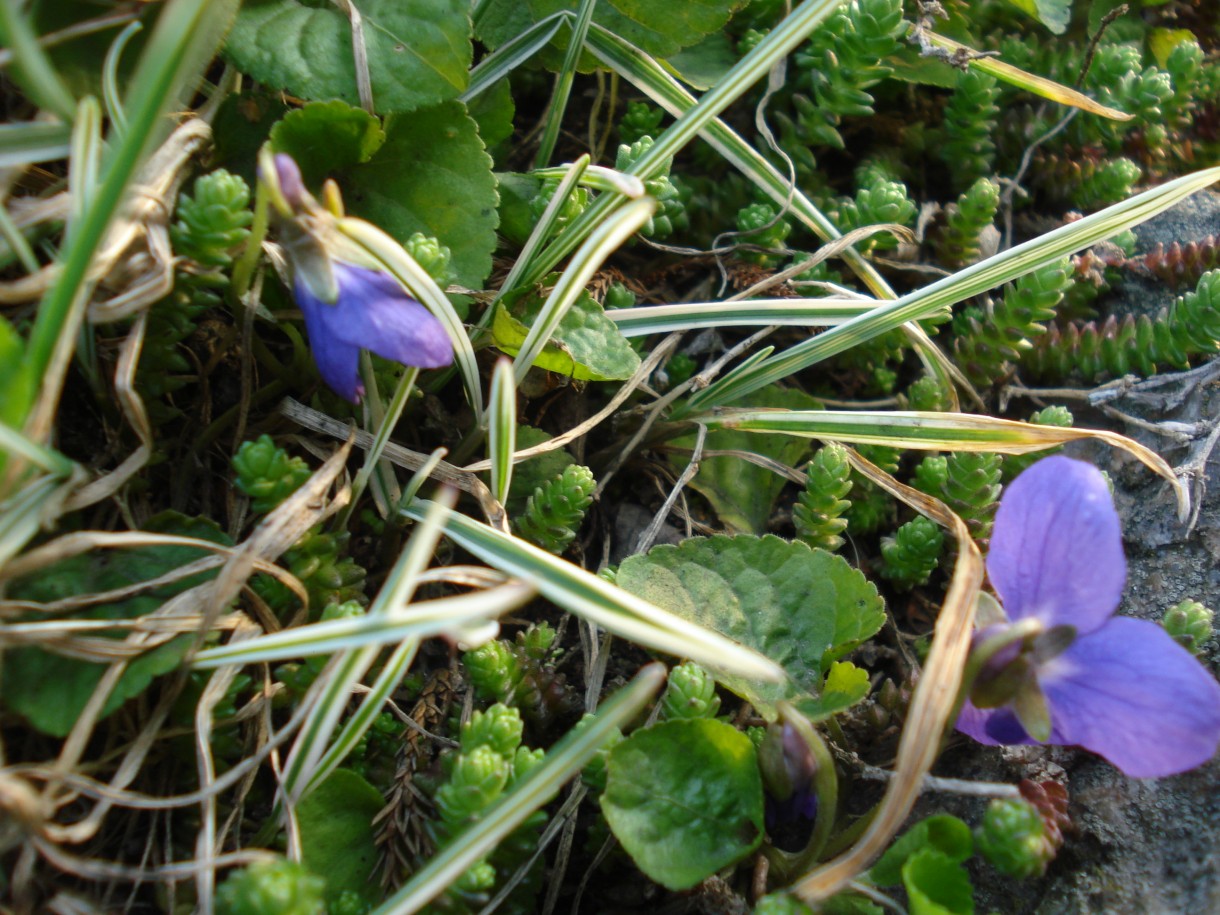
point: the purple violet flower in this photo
(372, 312)
(348, 307)
(1122, 688)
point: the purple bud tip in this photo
(291, 185)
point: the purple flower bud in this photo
(372, 312)
(788, 767)
(289, 175)
(1122, 688)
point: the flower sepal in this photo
(1029, 705)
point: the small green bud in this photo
(499, 728)
(926, 394)
(577, 202)
(670, 210)
(493, 670)
(972, 488)
(214, 220)
(913, 553)
(537, 641)
(619, 296)
(641, 120)
(690, 693)
(1013, 838)
(817, 515)
(478, 879)
(476, 782)
(349, 902)
(749, 41)
(557, 507)
(430, 254)
(884, 378)
(524, 762)
(279, 887)
(680, 368)
(1190, 624)
(931, 475)
(267, 474)
(759, 226)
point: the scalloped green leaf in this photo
(51, 690)
(431, 175)
(337, 837)
(324, 137)
(586, 346)
(419, 51)
(743, 494)
(845, 685)
(942, 833)
(659, 29)
(685, 799)
(802, 608)
(493, 111)
(937, 885)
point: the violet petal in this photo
(1056, 549)
(1130, 693)
(997, 727)
(338, 361)
(375, 313)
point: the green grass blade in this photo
(420, 621)
(563, 82)
(27, 142)
(110, 78)
(654, 319)
(31, 68)
(542, 230)
(362, 719)
(600, 602)
(901, 429)
(647, 75)
(1000, 268)
(598, 178)
(782, 40)
(22, 516)
(14, 443)
(506, 58)
(502, 429)
(1039, 85)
